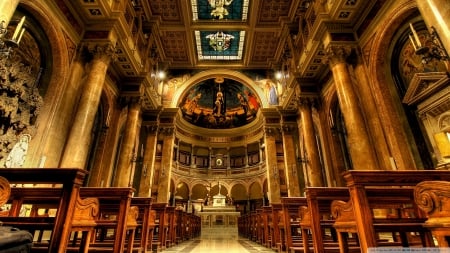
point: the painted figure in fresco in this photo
(192, 104)
(271, 93)
(252, 100)
(16, 157)
(219, 106)
(243, 102)
(219, 10)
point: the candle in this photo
(20, 36)
(416, 37)
(413, 42)
(18, 29)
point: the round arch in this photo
(226, 73)
(381, 85)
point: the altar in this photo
(219, 221)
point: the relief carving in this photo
(20, 103)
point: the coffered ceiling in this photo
(218, 33)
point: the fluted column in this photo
(312, 158)
(273, 178)
(7, 9)
(166, 164)
(146, 182)
(361, 151)
(77, 147)
(290, 160)
(129, 148)
(435, 13)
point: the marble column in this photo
(7, 9)
(290, 160)
(373, 119)
(166, 164)
(273, 177)
(361, 151)
(146, 182)
(312, 158)
(435, 13)
(128, 150)
(77, 147)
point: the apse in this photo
(219, 103)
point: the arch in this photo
(182, 190)
(199, 191)
(238, 192)
(208, 74)
(255, 191)
(62, 51)
(389, 113)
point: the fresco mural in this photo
(220, 103)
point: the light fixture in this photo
(278, 75)
(433, 48)
(7, 45)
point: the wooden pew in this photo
(259, 226)
(267, 219)
(70, 180)
(275, 225)
(161, 226)
(145, 226)
(290, 207)
(393, 213)
(359, 181)
(433, 197)
(171, 226)
(44, 201)
(316, 217)
(117, 214)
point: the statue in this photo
(16, 157)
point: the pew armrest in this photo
(433, 197)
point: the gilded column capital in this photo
(289, 128)
(271, 131)
(167, 130)
(101, 51)
(307, 102)
(151, 129)
(338, 53)
(131, 100)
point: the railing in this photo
(222, 172)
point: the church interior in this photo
(282, 125)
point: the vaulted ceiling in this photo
(245, 35)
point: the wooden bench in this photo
(42, 204)
(267, 217)
(161, 226)
(393, 215)
(276, 226)
(433, 197)
(144, 221)
(316, 218)
(290, 207)
(117, 215)
(359, 181)
(69, 181)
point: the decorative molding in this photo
(424, 85)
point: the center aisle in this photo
(218, 246)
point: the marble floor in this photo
(240, 245)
